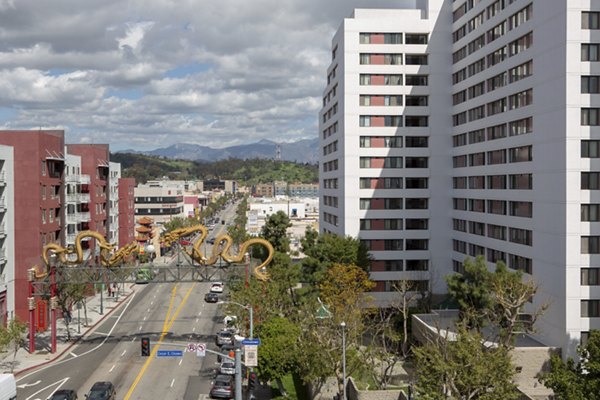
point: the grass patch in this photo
(294, 388)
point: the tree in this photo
(72, 290)
(464, 368)
(277, 355)
(275, 231)
(13, 333)
(326, 249)
(580, 380)
(471, 290)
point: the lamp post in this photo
(245, 307)
(343, 325)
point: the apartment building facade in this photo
(159, 200)
(513, 171)
(126, 211)
(7, 234)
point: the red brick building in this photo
(126, 211)
(38, 199)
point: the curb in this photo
(76, 341)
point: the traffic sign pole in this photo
(238, 375)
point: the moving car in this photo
(144, 275)
(217, 287)
(8, 387)
(211, 298)
(224, 337)
(222, 387)
(211, 241)
(102, 391)
(227, 368)
(64, 394)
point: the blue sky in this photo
(143, 74)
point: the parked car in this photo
(217, 287)
(226, 348)
(222, 387)
(211, 297)
(64, 394)
(102, 391)
(8, 386)
(227, 368)
(211, 241)
(224, 337)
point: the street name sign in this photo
(251, 342)
(169, 353)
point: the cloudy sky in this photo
(143, 74)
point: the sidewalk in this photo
(24, 361)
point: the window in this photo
(392, 162)
(520, 236)
(496, 132)
(589, 52)
(495, 8)
(590, 276)
(496, 182)
(416, 59)
(496, 107)
(519, 17)
(496, 32)
(477, 205)
(392, 204)
(477, 228)
(416, 183)
(496, 82)
(416, 80)
(43, 168)
(459, 161)
(497, 207)
(496, 231)
(416, 38)
(459, 225)
(496, 57)
(459, 182)
(393, 265)
(590, 245)
(590, 308)
(43, 216)
(417, 265)
(590, 116)
(459, 246)
(392, 224)
(393, 244)
(365, 204)
(476, 44)
(392, 183)
(476, 159)
(417, 141)
(520, 263)
(477, 136)
(416, 204)
(459, 140)
(364, 120)
(590, 20)
(590, 212)
(416, 162)
(520, 181)
(459, 204)
(590, 84)
(590, 148)
(476, 90)
(520, 127)
(459, 54)
(520, 99)
(590, 180)
(416, 224)
(477, 182)
(494, 256)
(416, 121)
(521, 209)
(417, 244)
(459, 119)
(417, 101)
(459, 97)
(520, 154)
(521, 44)
(476, 113)
(476, 67)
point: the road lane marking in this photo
(167, 325)
(145, 318)
(58, 386)
(197, 319)
(194, 329)
(73, 354)
(133, 339)
(113, 367)
(23, 386)
(172, 382)
(152, 302)
(140, 328)
(101, 333)
(123, 353)
(180, 361)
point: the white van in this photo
(8, 387)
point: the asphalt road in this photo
(171, 315)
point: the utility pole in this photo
(238, 375)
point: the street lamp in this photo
(245, 307)
(343, 325)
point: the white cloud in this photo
(150, 73)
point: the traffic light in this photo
(145, 347)
(251, 380)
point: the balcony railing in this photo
(72, 219)
(2, 230)
(2, 203)
(72, 178)
(84, 179)
(2, 254)
(84, 197)
(3, 177)
(84, 217)
(70, 238)
(72, 197)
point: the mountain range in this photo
(303, 151)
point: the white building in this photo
(7, 231)
(510, 165)
(77, 202)
(159, 200)
(113, 202)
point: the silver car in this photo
(227, 368)
(224, 337)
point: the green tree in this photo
(13, 334)
(464, 368)
(277, 356)
(71, 291)
(572, 380)
(325, 250)
(471, 290)
(275, 231)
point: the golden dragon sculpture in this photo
(223, 251)
(64, 253)
(169, 238)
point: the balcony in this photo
(72, 198)
(83, 197)
(2, 255)
(2, 178)
(2, 204)
(72, 178)
(84, 179)
(84, 217)
(2, 230)
(72, 219)
(70, 238)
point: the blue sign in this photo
(169, 353)
(254, 342)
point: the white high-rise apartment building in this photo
(510, 147)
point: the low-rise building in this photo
(160, 200)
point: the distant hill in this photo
(303, 151)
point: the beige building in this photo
(160, 200)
